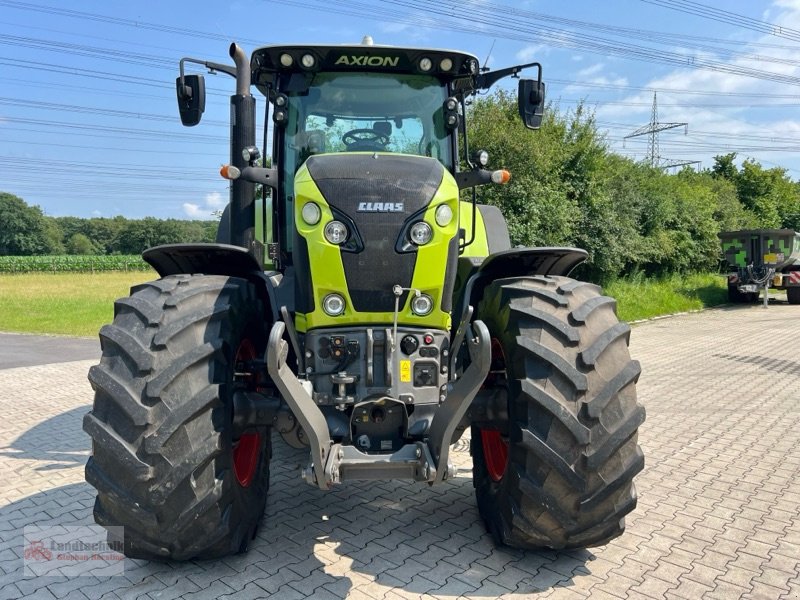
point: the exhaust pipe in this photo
(242, 69)
(243, 135)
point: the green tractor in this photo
(363, 310)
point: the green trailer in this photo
(760, 258)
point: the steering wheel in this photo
(365, 139)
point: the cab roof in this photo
(447, 65)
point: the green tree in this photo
(23, 228)
(80, 244)
(724, 166)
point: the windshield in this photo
(365, 112)
(362, 112)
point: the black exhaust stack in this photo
(243, 135)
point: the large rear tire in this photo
(559, 473)
(164, 459)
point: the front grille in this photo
(346, 181)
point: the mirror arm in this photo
(212, 68)
(486, 80)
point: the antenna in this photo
(485, 67)
(652, 130)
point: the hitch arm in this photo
(459, 399)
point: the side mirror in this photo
(191, 91)
(530, 97)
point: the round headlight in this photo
(481, 157)
(421, 305)
(336, 232)
(425, 64)
(421, 233)
(311, 213)
(446, 64)
(286, 60)
(333, 305)
(444, 214)
(308, 61)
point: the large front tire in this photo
(165, 461)
(559, 473)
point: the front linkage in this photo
(428, 461)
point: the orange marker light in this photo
(229, 172)
(502, 176)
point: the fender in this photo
(515, 262)
(223, 259)
(519, 262)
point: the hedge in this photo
(74, 264)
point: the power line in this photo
(447, 15)
(651, 130)
(731, 18)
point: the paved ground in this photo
(718, 516)
(21, 350)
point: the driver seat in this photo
(382, 128)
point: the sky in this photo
(89, 123)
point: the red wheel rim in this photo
(245, 457)
(246, 448)
(495, 453)
(495, 448)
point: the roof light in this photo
(308, 61)
(446, 64)
(425, 64)
(286, 60)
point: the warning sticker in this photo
(405, 371)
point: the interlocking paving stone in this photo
(718, 510)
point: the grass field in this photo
(79, 304)
(641, 298)
(63, 303)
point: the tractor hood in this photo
(378, 197)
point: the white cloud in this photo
(213, 201)
(596, 68)
(97, 213)
(530, 52)
(194, 211)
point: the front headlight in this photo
(420, 233)
(444, 214)
(336, 232)
(311, 213)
